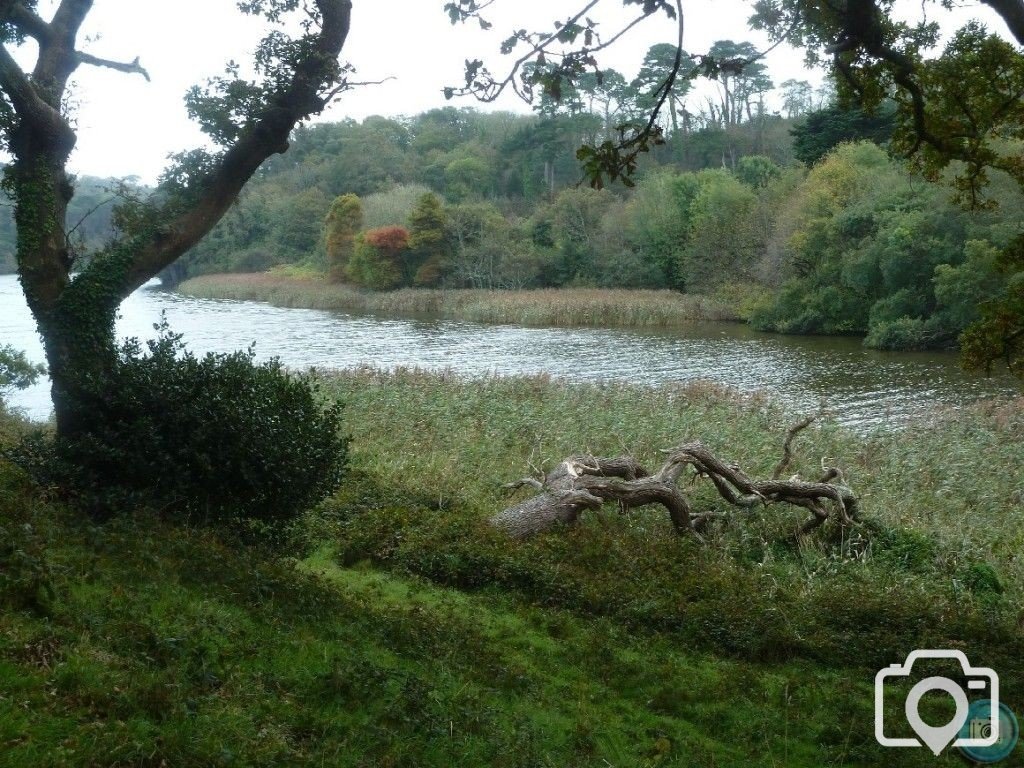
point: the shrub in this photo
(16, 372)
(904, 333)
(213, 438)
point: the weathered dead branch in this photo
(580, 483)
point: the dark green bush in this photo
(211, 438)
(904, 333)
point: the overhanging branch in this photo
(132, 68)
(265, 136)
(1012, 12)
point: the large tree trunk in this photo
(76, 316)
(580, 483)
(80, 354)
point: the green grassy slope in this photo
(402, 632)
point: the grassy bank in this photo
(937, 561)
(393, 628)
(565, 307)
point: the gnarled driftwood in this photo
(580, 483)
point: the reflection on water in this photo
(862, 387)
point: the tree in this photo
(247, 120)
(377, 262)
(741, 78)
(296, 226)
(955, 111)
(797, 97)
(488, 252)
(824, 129)
(429, 242)
(577, 215)
(722, 241)
(16, 372)
(344, 220)
(467, 176)
(654, 71)
(757, 171)
(392, 207)
(607, 95)
(659, 215)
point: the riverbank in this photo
(602, 308)
(394, 627)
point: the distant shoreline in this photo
(568, 307)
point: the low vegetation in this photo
(138, 643)
(392, 626)
(212, 438)
(568, 307)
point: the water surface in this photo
(862, 387)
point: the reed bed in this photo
(594, 307)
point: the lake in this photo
(863, 388)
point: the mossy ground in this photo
(390, 627)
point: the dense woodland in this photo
(805, 233)
(782, 212)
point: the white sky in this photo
(128, 126)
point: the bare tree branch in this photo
(133, 68)
(57, 56)
(787, 447)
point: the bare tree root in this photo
(583, 483)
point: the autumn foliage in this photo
(388, 240)
(377, 262)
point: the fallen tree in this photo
(583, 483)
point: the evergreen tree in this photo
(344, 220)
(429, 242)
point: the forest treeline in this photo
(799, 219)
(804, 233)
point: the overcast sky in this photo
(128, 126)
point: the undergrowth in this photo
(396, 629)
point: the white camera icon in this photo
(982, 681)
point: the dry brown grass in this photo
(562, 307)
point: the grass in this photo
(393, 628)
(937, 563)
(546, 307)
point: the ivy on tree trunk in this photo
(74, 304)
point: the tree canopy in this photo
(74, 300)
(958, 114)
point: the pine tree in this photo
(430, 244)
(343, 221)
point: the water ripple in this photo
(863, 388)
